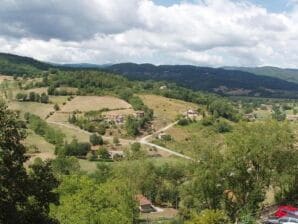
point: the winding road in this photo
(143, 140)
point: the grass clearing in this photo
(58, 99)
(89, 103)
(165, 109)
(39, 109)
(38, 147)
(187, 139)
(71, 133)
(5, 78)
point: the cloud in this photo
(209, 32)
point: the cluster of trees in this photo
(258, 156)
(74, 148)
(40, 127)
(98, 125)
(33, 97)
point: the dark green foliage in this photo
(65, 166)
(208, 79)
(33, 97)
(183, 122)
(75, 148)
(222, 126)
(24, 198)
(222, 108)
(132, 126)
(96, 139)
(41, 128)
(44, 98)
(278, 114)
(103, 153)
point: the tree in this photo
(32, 96)
(96, 139)
(56, 107)
(83, 201)
(65, 166)
(258, 156)
(21, 200)
(44, 98)
(132, 126)
(104, 153)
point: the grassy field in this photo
(70, 133)
(58, 99)
(39, 109)
(89, 103)
(36, 90)
(44, 150)
(5, 78)
(188, 139)
(165, 110)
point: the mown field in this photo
(89, 103)
(165, 110)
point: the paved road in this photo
(143, 140)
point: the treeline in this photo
(33, 97)
(41, 127)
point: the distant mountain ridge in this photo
(226, 81)
(287, 74)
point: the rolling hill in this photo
(223, 81)
(287, 74)
(229, 81)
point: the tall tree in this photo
(18, 200)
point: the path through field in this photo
(126, 141)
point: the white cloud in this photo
(210, 32)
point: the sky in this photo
(199, 32)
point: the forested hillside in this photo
(287, 74)
(230, 82)
(222, 81)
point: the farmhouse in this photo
(145, 204)
(139, 114)
(191, 114)
(114, 153)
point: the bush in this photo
(207, 121)
(183, 122)
(96, 139)
(210, 217)
(116, 140)
(166, 137)
(223, 126)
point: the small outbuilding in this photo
(145, 205)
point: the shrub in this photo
(183, 122)
(96, 139)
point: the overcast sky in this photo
(201, 32)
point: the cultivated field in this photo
(58, 99)
(166, 110)
(89, 103)
(39, 109)
(5, 77)
(44, 149)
